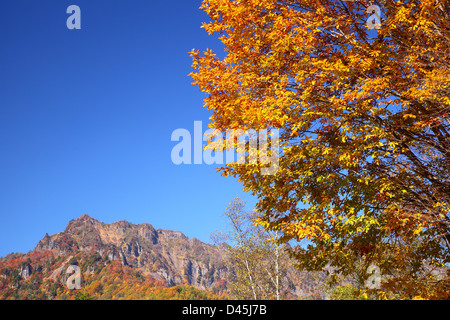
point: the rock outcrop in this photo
(164, 254)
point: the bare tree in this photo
(257, 263)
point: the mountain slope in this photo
(163, 254)
(122, 260)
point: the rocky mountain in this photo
(122, 260)
(165, 255)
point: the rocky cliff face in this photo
(164, 254)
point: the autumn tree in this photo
(82, 296)
(344, 292)
(363, 113)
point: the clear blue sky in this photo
(87, 116)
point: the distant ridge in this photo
(164, 254)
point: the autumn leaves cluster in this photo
(364, 162)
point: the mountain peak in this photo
(82, 221)
(85, 217)
(166, 255)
